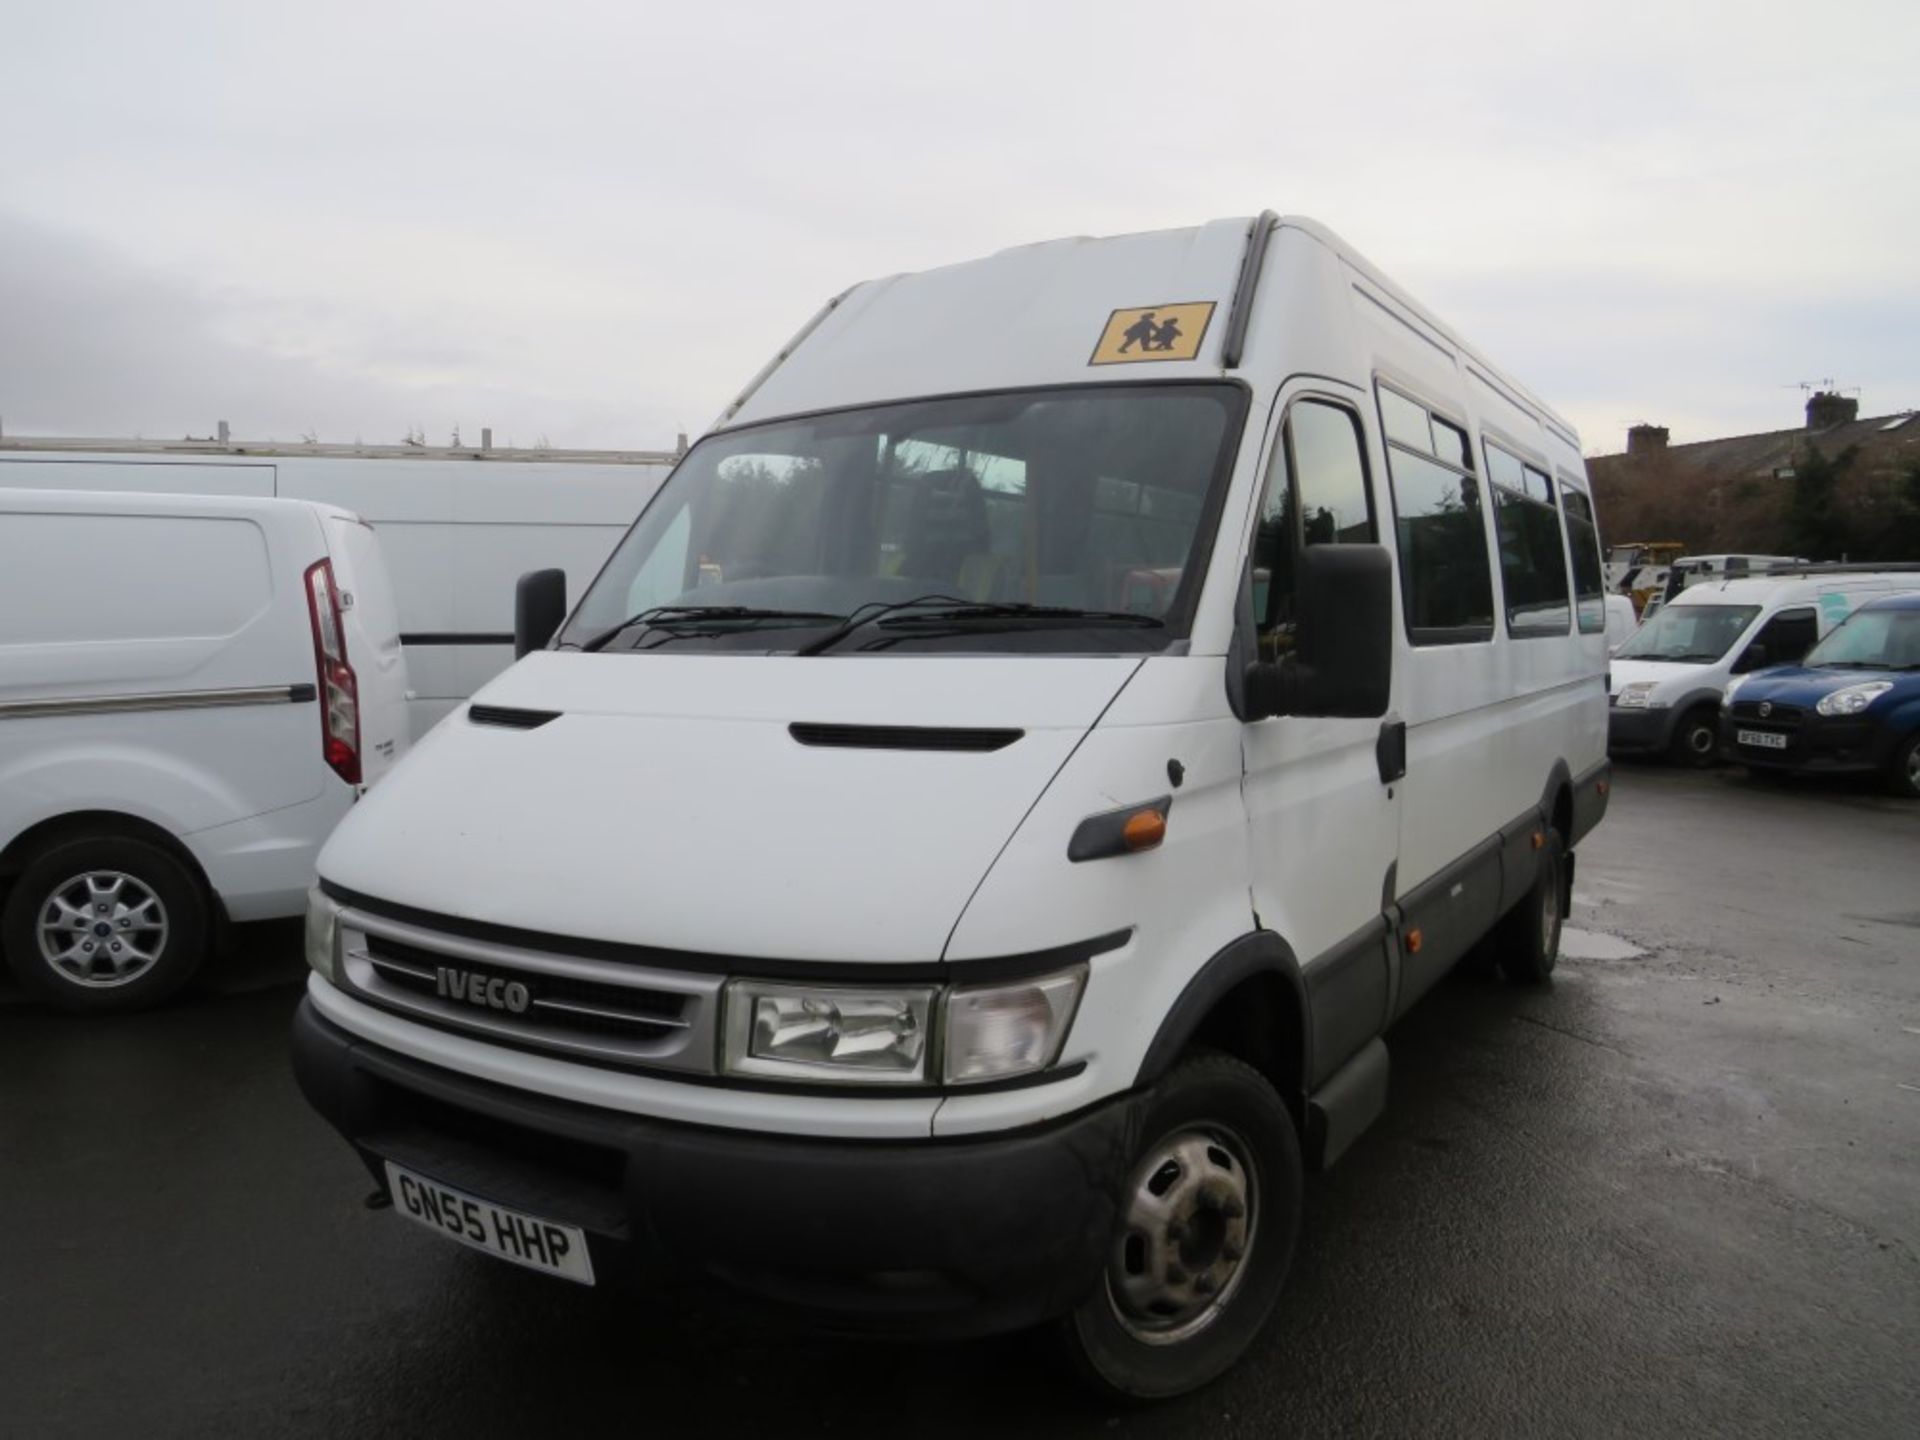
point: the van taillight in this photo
(339, 691)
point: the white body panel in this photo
(457, 533)
(150, 648)
(670, 808)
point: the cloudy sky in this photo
(589, 221)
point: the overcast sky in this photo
(590, 222)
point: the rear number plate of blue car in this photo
(482, 1225)
(1761, 739)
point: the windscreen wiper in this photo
(947, 614)
(667, 615)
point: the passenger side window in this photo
(1316, 494)
(1787, 638)
(1533, 562)
(1589, 579)
(1446, 582)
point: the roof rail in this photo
(1836, 567)
(1240, 313)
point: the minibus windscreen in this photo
(1698, 634)
(1063, 520)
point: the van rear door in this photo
(371, 618)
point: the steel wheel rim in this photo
(1700, 740)
(102, 928)
(1913, 769)
(1187, 1229)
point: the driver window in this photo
(1787, 637)
(1317, 494)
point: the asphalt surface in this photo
(1676, 1193)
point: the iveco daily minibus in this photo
(958, 861)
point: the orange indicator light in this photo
(1144, 830)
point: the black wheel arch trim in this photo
(1257, 953)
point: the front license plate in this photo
(1761, 739)
(482, 1225)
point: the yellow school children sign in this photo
(1153, 332)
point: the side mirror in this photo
(1342, 663)
(1753, 659)
(539, 605)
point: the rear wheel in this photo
(1696, 739)
(104, 922)
(1204, 1239)
(1903, 773)
(1527, 938)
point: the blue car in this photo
(1851, 706)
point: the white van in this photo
(1692, 569)
(1667, 680)
(193, 691)
(960, 857)
(457, 526)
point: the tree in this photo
(1815, 523)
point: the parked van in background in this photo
(963, 853)
(193, 691)
(1691, 569)
(1621, 622)
(1852, 706)
(1668, 678)
(458, 526)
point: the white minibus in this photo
(193, 690)
(958, 862)
(1668, 678)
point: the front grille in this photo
(1784, 717)
(597, 1010)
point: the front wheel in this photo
(104, 922)
(1204, 1238)
(1696, 739)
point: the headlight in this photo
(1639, 696)
(828, 1032)
(1726, 695)
(1853, 699)
(996, 1031)
(323, 925)
(882, 1034)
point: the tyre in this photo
(1205, 1235)
(1527, 937)
(1696, 738)
(104, 922)
(1903, 771)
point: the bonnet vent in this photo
(511, 718)
(901, 737)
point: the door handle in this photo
(1390, 750)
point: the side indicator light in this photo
(1539, 839)
(1414, 940)
(1600, 787)
(1144, 830)
(1126, 831)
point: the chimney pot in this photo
(1825, 409)
(223, 432)
(486, 437)
(1642, 438)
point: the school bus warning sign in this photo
(1154, 332)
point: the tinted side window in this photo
(1589, 579)
(1788, 636)
(1533, 564)
(1316, 495)
(1445, 580)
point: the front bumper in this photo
(1636, 730)
(1837, 745)
(930, 1237)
